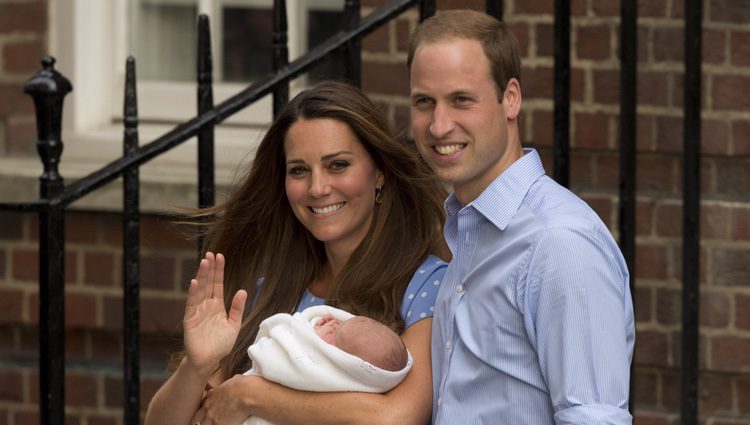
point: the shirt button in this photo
(459, 289)
(448, 345)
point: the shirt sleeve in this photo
(419, 299)
(578, 315)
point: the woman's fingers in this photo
(210, 277)
(238, 307)
(192, 298)
(218, 278)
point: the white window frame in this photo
(90, 40)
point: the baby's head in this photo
(367, 339)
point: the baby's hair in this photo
(372, 342)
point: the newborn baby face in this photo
(326, 328)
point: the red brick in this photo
(670, 390)
(11, 226)
(605, 8)
(646, 384)
(729, 11)
(581, 172)
(25, 265)
(729, 92)
(732, 178)
(676, 269)
(102, 420)
(106, 345)
(76, 344)
(162, 315)
(3, 265)
(159, 232)
(607, 171)
(651, 348)
(729, 353)
(382, 78)
(541, 128)
(669, 134)
(12, 388)
(113, 313)
(737, 421)
(157, 272)
(714, 309)
(26, 418)
(591, 130)
(652, 8)
(82, 227)
(403, 33)
(668, 306)
(521, 31)
(80, 390)
(742, 311)
(11, 306)
(731, 267)
(99, 268)
(606, 86)
(460, 4)
(643, 217)
(715, 137)
(533, 7)
(667, 44)
(739, 47)
(743, 394)
(652, 88)
(21, 136)
(714, 221)
(602, 207)
(653, 418)
(80, 310)
(714, 42)
(741, 137)
(593, 42)
(740, 227)
(15, 101)
(578, 7)
(655, 174)
(645, 128)
(537, 83)
(644, 44)
(545, 39)
(22, 57)
(642, 302)
(402, 120)
(23, 17)
(378, 40)
(651, 261)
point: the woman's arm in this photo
(209, 334)
(409, 403)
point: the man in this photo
(534, 321)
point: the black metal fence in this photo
(48, 88)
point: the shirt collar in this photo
(502, 198)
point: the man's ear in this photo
(512, 99)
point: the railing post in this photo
(280, 54)
(494, 8)
(48, 88)
(131, 252)
(562, 93)
(691, 212)
(354, 47)
(426, 9)
(206, 181)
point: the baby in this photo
(326, 349)
(365, 338)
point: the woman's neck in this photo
(335, 262)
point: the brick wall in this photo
(93, 261)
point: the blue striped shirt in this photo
(534, 319)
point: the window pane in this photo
(247, 43)
(165, 40)
(322, 24)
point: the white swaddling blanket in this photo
(289, 352)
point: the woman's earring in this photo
(378, 195)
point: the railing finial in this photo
(48, 88)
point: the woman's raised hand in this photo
(209, 331)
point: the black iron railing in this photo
(49, 88)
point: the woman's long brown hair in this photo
(262, 239)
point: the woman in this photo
(332, 210)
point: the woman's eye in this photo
(339, 165)
(296, 171)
